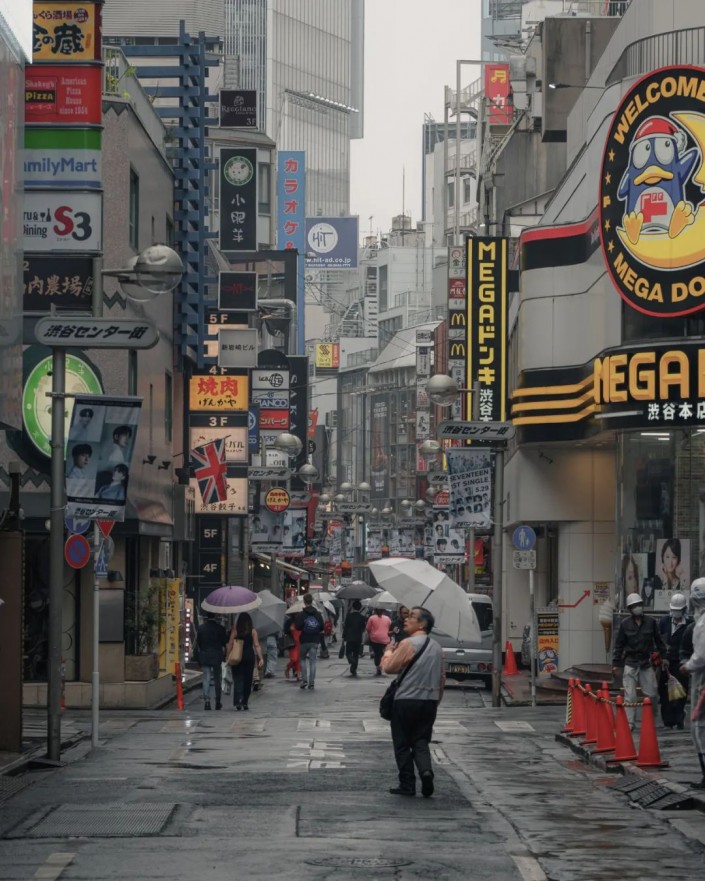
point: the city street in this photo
(298, 786)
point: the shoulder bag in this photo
(235, 653)
(387, 701)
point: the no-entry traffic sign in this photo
(77, 551)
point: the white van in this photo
(471, 660)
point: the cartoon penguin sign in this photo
(652, 194)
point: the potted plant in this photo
(144, 619)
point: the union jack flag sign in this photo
(209, 469)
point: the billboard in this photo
(327, 358)
(64, 282)
(237, 291)
(218, 393)
(63, 95)
(238, 108)
(66, 32)
(60, 158)
(62, 221)
(497, 92)
(331, 242)
(291, 200)
(238, 199)
(379, 464)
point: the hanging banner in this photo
(294, 532)
(424, 355)
(266, 530)
(291, 199)
(210, 469)
(375, 540)
(380, 447)
(101, 442)
(470, 479)
(497, 92)
(486, 321)
(238, 199)
(447, 544)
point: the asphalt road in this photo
(297, 787)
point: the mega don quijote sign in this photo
(652, 193)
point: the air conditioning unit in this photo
(332, 419)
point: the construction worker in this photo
(673, 628)
(638, 640)
(696, 668)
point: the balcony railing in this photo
(596, 8)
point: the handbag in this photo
(235, 653)
(676, 692)
(387, 701)
(341, 650)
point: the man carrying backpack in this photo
(309, 623)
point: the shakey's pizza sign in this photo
(652, 193)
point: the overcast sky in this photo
(410, 51)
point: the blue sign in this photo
(291, 200)
(76, 526)
(524, 538)
(101, 561)
(331, 242)
(253, 430)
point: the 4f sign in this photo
(62, 222)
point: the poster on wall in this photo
(294, 532)
(671, 572)
(470, 479)
(635, 577)
(547, 641)
(266, 530)
(447, 543)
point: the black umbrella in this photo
(358, 590)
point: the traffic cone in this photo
(624, 750)
(605, 724)
(568, 727)
(590, 718)
(510, 662)
(649, 755)
(579, 721)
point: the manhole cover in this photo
(102, 821)
(359, 862)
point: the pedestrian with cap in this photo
(695, 668)
(638, 648)
(673, 629)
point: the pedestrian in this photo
(378, 631)
(272, 653)
(397, 632)
(418, 660)
(673, 629)
(309, 623)
(211, 638)
(353, 632)
(243, 672)
(695, 667)
(638, 639)
(292, 642)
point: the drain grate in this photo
(102, 821)
(359, 862)
(649, 794)
(629, 783)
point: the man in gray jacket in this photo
(418, 660)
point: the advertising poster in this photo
(294, 532)
(62, 221)
(470, 480)
(56, 95)
(447, 543)
(291, 200)
(672, 573)
(547, 642)
(66, 33)
(380, 445)
(101, 441)
(375, 540)
(238, 199)
(331, 242)
(266, 530)
(238, 108)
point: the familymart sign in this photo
(62, 158)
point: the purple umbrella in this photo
(231, 600)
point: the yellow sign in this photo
(277, 500)
(327, 356)
(218, 394)
(65, 33)
(173, 623)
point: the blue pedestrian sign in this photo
(76, 526)
(101, 560)
(524, 538)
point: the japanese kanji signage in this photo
(291, 197)
(57, 158)
(237, 347)
(236, 451)
(277, 499)
(331, 242)
(276, 380)
(234, 503)
(96, 333)
(486, 319)
(66, 32)
(497, 93)
(238, 108)
(221, 392)
(65, 282)
(62, 221)
(63, 95)
(238, 199)
(237, 291)
(457, 328)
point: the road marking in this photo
(53, 866)
(440, 757)
(312, 724)
(515, 726)
(316, 755)
(529, 868)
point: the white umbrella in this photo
(383, 600)
(269, 617)
(299, 606)
(417, 583)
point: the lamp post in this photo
(157, 270)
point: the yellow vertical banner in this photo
(173, 623)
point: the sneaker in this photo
(310, 686)
(238, 707)
(219, 706)
(427, 784)
(269, 675)
(245, 707)
(207, 705)
(303, 683)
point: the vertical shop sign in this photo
(497, 92)
(379, 470)
(237, 291)
(457, 327)
(486, 325)
(547, 641)
(424, 350)
(291, 200)
(238, 199)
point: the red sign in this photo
(63, 94)
(273, 419)
(456, 288)
(497, 92)
(77, 551)
(277, 500)
(105, 526)
(442, 499)
(312, 422)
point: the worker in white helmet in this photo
(695, 666)
(673, 628)
(638, 647)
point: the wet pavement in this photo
(298, 785)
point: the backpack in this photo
(328, 627)
(312, 625)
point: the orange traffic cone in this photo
(579, 721)
(590, 718)
(624, 750)
(568, 727)
(649, 755)
(510, 662)
(605, 724)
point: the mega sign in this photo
(652, 220)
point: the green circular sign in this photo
(81, 379)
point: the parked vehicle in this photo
(471, 660)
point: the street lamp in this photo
(346, 488)
(288, 444)
(364, 487)
(157, 270)
(442, 390)
(308, 473)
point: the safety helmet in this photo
(678, 602)
(697, 596)
(635, 599)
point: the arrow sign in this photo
(585, 595)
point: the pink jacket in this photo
(378, 628)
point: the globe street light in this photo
(364, 487)
(442, 390)
(430, 448)
(324, 499)
(308, 473)
(288, 444)
(420, 505)
(157, 270)
(346, 487)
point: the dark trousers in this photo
(352, 653)
(672, 712)
(242, 681)
(377, 651)
(412, 727)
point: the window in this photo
(134, 210)
(168, 406)
(383, 289)
(450, 193)
(467, 191)
(264, 176)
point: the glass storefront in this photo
(660, 513)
